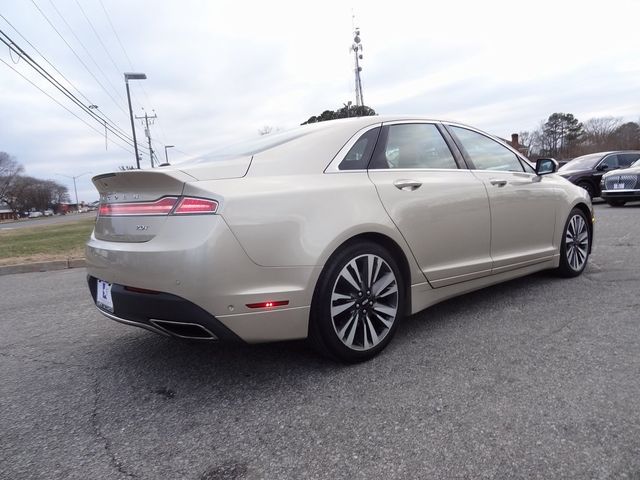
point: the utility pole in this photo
(147, 132)
(356, 48)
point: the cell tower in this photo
(356, 47)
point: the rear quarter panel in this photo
(300, 220)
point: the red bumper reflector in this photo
(271, 304)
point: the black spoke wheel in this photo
(589, 188)
(358, 303)
(576, 244)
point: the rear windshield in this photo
(582, 163)
(250, 146)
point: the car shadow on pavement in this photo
(160, 357)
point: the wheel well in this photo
(582, 207)
(594, 185)
(397, 253)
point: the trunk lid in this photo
(137, 186)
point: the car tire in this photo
(589, 188)
(358, 303)
(616, 203)
(575, 245)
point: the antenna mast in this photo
(356, 48)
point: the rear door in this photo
(523, 204)
(441, 209)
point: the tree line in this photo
(23, 193)
(562, 136)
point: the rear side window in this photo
(357, 158)
(414, 146)
(485, 153)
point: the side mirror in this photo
(602, 167)
(545, 166)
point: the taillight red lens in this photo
(162, 206)
(189, 205)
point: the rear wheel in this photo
(358, 303)
(616, 203)
(574, 250)
(589, 188)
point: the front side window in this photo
(485, 153)
(414, 146)
(611, 161)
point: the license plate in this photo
(618, 186)
(103, 298)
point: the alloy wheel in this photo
(364, 302)
(577, 242)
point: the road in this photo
(536, 378)
(42, 221)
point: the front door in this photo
(523, 204)
(441, 210)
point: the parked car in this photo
(332, 231)
(621, 186)
(48, 213)
(35, 214)
(587, 171)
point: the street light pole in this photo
(127, 77)
(166, 157)
(75, 189)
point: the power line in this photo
(98, 37)
(45, 59)
(117, 92)
(71, 112)
(47, 76)
(78, 57)
(115, 33)
(144, 91)
(90, 102)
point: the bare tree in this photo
(10, 169)
(599, 132)
(267, 129)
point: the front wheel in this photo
(574, 250)
(358, 303)
(589, 188)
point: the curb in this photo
(43, 266)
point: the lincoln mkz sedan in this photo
(332, 231)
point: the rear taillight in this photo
(189, 205)
(162, 206)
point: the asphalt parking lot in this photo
(536, 378)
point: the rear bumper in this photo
(163, 313)
(205, 279)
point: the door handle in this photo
(407, 185)
(499, 183)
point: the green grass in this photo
(45, 242)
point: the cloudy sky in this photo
(218, 70)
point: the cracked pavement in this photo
(536, 378)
